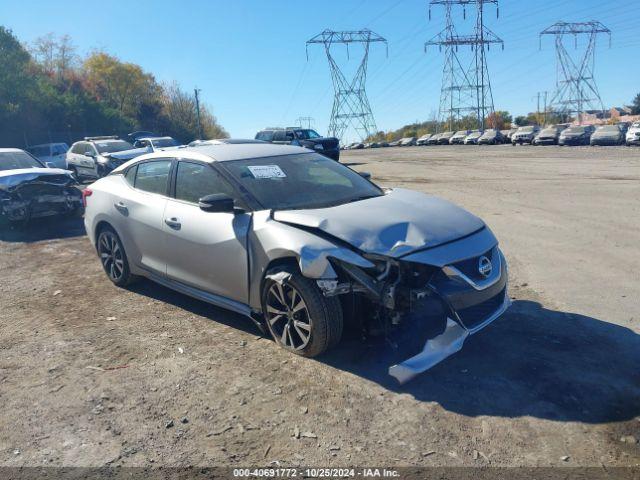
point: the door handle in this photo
(121, 207)
(173, 223)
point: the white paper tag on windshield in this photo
(266, 171)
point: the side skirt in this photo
(217, 300)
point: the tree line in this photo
(48, 93)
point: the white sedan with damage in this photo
(302, 245)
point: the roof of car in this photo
(225, 152)
(10, 150)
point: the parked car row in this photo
(562, 134)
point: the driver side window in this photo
(197, 180)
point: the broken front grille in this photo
(476, 314)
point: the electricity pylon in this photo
(350, 105)
(576, 89)
(466, 90)
(301, 121)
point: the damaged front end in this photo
(427, 303)
(26, 197)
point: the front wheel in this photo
(299, 317)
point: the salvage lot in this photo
(93, 375)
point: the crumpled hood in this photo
(394, 224)
(10, 178)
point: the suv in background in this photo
(95, 157)
(51, 154)
(633, 135)
(524, 135)
(303, 137)
(153, 144)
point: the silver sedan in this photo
(288, 238)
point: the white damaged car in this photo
(288, 237)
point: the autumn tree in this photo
(120, 84)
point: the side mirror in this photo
(365, 175)
(218, 202)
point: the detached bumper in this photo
(470, 306)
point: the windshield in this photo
(17, 160)
(575, 130)
(113, 146)
(164, 142)
(609, 129)
(306, 134)
(307, 180)
(462, 132)
(525, 130)
(550, 131)
(490, 133)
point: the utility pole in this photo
(465, 90)
(350, 104)
(197, 92)
(576, 89)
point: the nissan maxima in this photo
(302, 245)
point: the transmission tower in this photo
(350, 105)
(466, 89)
(576, 89)
(302, 121)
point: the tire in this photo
(316, 314)
(114, 258)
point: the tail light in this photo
(87, 192)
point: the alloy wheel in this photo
(288, 316)
(111, 255)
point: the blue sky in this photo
(248, 56)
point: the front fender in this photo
(270, 240)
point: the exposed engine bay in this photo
(422, 311)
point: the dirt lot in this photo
(93, 375)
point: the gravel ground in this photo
(93, 375)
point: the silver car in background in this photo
(287, 237)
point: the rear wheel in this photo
(113, 258)
(299, 317)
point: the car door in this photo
(206, 250)
(84, 159)
(139, 211)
